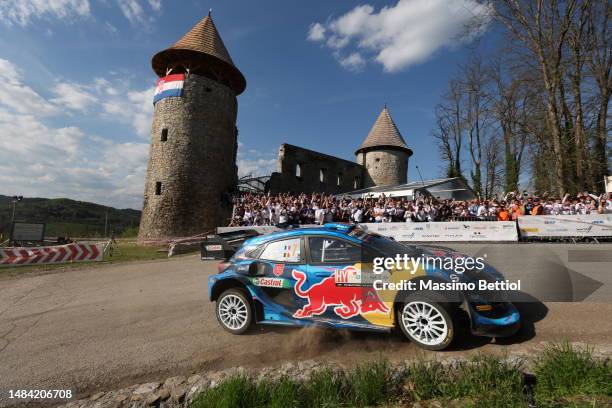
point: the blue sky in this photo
(76, 82)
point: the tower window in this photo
(356, 183)
(338, 179)
(159, 188)
(378, 159)
(164, 135)
(322, 175)
(298, 170)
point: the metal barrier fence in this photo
(572, 228)
(589, 227)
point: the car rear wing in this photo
(223, 245)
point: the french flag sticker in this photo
(168, 86)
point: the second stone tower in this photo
(384, 154)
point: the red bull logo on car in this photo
(347, 301)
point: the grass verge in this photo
(566, 376)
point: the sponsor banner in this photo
(450, 231)
(51, 254)
(170, 85)
(424, 231)
(590, 225)
(264, 229)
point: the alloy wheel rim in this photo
(233, 312)
(425, 323)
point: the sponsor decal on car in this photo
(348, 276)
(278, 269)
(347, 301)
(271, 282)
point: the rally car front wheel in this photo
(426, 322)
(234, 311)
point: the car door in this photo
(331, 289)
(281, 257)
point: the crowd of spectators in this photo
(252, 209)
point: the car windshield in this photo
(385, 245)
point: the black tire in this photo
(243, 311)
(438, 332)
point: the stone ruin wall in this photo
(311, 164)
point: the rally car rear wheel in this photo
(425, 322)
(234, 311)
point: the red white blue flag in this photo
(170, 85)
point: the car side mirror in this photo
(257, 268)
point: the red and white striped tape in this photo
(51, 254)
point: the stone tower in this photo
(192, 160)
(384, 154)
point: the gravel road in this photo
(98, 328)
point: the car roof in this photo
(332, 230)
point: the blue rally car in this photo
(323, 277)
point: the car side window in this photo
(330, 250)
(287, 250)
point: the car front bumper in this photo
(504, 324)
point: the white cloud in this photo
(73, 96)
(254, 162)
(401, 35)
(354, 62)
(39, 158)
(114, 101)
(22, 12)
(66, 162)
(19, 97)
(316, 32)
(155, 5)
(111, 28)
(43, 160)
(134, 11)
(135, 110)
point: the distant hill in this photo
(65, 217)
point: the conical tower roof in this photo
(201, 51)
(384, 134)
